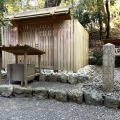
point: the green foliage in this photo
(96, 57)
(2, 10)
(13, 6)
(40, 4)
(99, 57)
(17, 5)
(0, 38)
(82, 15)
(90, 11)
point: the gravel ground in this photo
(31, 109)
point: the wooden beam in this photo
(39, 65)
(0, 67)
(25, 69)
(64, 17)
(56, 46)
(16, 59)
(43, 20)
(10, 73)
(36, 21)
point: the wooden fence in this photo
(65, 44)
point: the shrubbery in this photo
(96, 58)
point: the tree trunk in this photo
(108, 20)
(2, 10)
(52, 3)
(100, 17)
(100, 24)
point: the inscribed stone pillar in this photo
(108, 67)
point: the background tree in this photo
(94, 12)
(108, 19)
(52, 3)
(23, 5)
(2, 10)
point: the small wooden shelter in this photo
(22, 72)
(52, 30)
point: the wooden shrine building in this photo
(52, 30)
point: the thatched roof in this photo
(53, 11)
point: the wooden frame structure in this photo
(22, 50)
(52, 30)
(115, 42)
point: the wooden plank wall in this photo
(65, 44)
(9, 37)
(55, 39)
(41, 37)
(81, 46)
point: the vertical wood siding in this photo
(81, 46)
(65, 44)
(41, 37)
(9, 37)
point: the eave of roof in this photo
(20, 50)
(60, 10)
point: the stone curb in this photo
(90, 97)
(70, 79)
(6, 90)
(19, 91)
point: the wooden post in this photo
(0, 66)
(10, 73)
(16, 59)
(39, 61)
(25, 69)
(56, 46)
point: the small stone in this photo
(53, 78)
(64, 78)
(61, 95)
(6, 90)
(58, 95)
(93, 97)
(52, 93)
(40, 93)
(19, 91)
(111, 102)
(72, 79)
(76, 96)
(82, 78)
(42, 77)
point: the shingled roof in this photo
(60, 10)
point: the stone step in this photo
(62, 78)
(42, 90)
(78, 93)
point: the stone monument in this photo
(108, 67)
